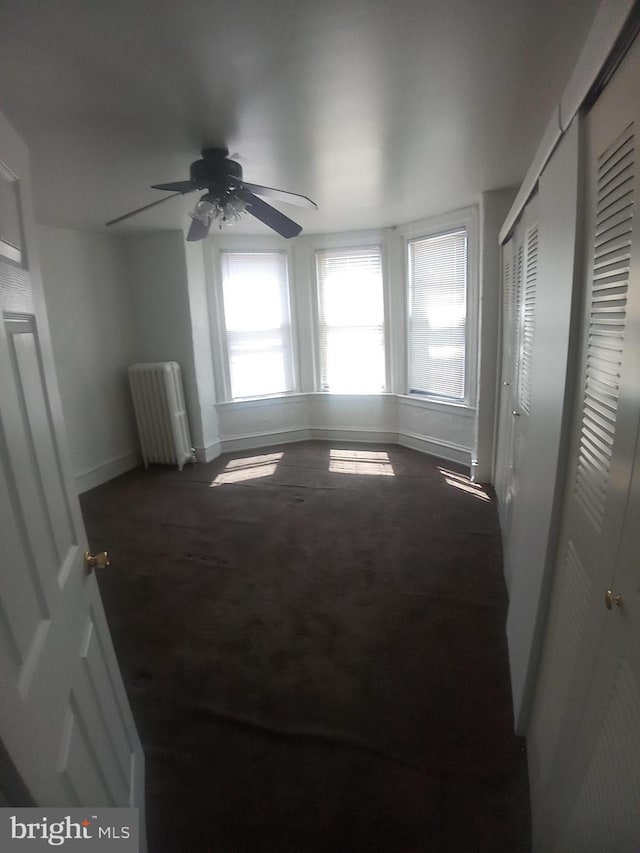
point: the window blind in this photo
(438, 315)
(351, 320)
(257, 323)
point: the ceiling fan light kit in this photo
(228, 197)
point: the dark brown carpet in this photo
(315, 658)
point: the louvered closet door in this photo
(503, 460)
(523, 332)
(585, 725)
(520, 351)
(512, 289)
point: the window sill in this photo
(356, 394)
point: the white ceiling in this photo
(382, 111)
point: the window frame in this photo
(464, 219)
(355, 240)
(345, 250)
(244, 245)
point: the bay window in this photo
(257, 323)
(351, 320)
(437, 329)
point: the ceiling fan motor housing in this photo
(227, 197)
(215, 172)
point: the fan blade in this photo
(176, 187)
(198, 230)
(269, 215)
(280, 195)
(140, 209)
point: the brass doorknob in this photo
(100, 561)
(610, 599)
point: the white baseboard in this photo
(208, 453)
(353, 434)
(93, 477)
(436, 447)
(264, 439)
(425, 444)
(481, 473)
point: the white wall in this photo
(382, 418)
(437, 428)
(162, 279)
(208, 444)
(254, 423)
(93, 336)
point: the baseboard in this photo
(482, 473)
(436, 447)
(433, 446)
(208, 453)
(353, 434)
(93, 477)
(264, 439)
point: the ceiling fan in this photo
(227, 197)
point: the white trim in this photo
(93, 477)
(344, 239)
(264, 439)
(607, 25)
(381, 246)
(208, 453)
(395, 310)
(353, 434)
(99, 474)
(245, 244)
(216, 313)
(436, 447)
(449, 221)
(467, 218)
(314, 243)
(11, 253)
(424, 444)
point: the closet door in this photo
(503, 454)
(522, 347)
(604, 816)
(521, 264)
(584, 736)
(513, 462)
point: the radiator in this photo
(158, 401)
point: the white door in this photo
(520, 272)
(584, 736)
(64, 717)
(512, 259)
(503, 453)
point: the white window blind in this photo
(257, 323)
(351, 320)
(438, 315)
